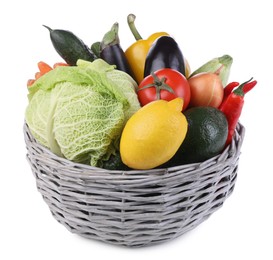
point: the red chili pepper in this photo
(233, 102)
(229, 88)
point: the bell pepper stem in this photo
(131, 22)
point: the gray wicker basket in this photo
(133, 208)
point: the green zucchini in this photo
(69, 46)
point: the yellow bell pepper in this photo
(136, 54)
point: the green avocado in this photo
(206, 136)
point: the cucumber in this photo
(69, 46)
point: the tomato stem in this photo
(159, 84)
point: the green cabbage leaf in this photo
(79, 112)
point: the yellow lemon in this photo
(153, 134)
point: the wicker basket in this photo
(133, 208)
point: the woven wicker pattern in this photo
(133, 208)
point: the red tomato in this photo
(166, 84)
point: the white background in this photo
(242, 228)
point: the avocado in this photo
(205, 138)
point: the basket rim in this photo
(232, 150)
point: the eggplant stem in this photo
(111, 37)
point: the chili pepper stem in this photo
(240, 90)
(131, 22)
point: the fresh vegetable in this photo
(153, 134)
(30, 82)
(111, 51)
(205, 138)
(166, 84)
(137, 52)
(233, 104)
(164, 53)
(78, 112)
(124, 83)
(58, 64)
(95, 48)
(206, 90)
(43, 69)
(69, 46)
(220, 65)
(88, 108)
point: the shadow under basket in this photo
(133, 208)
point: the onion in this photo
(206, 90)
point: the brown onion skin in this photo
(206, 90)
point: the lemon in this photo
(153, 134)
